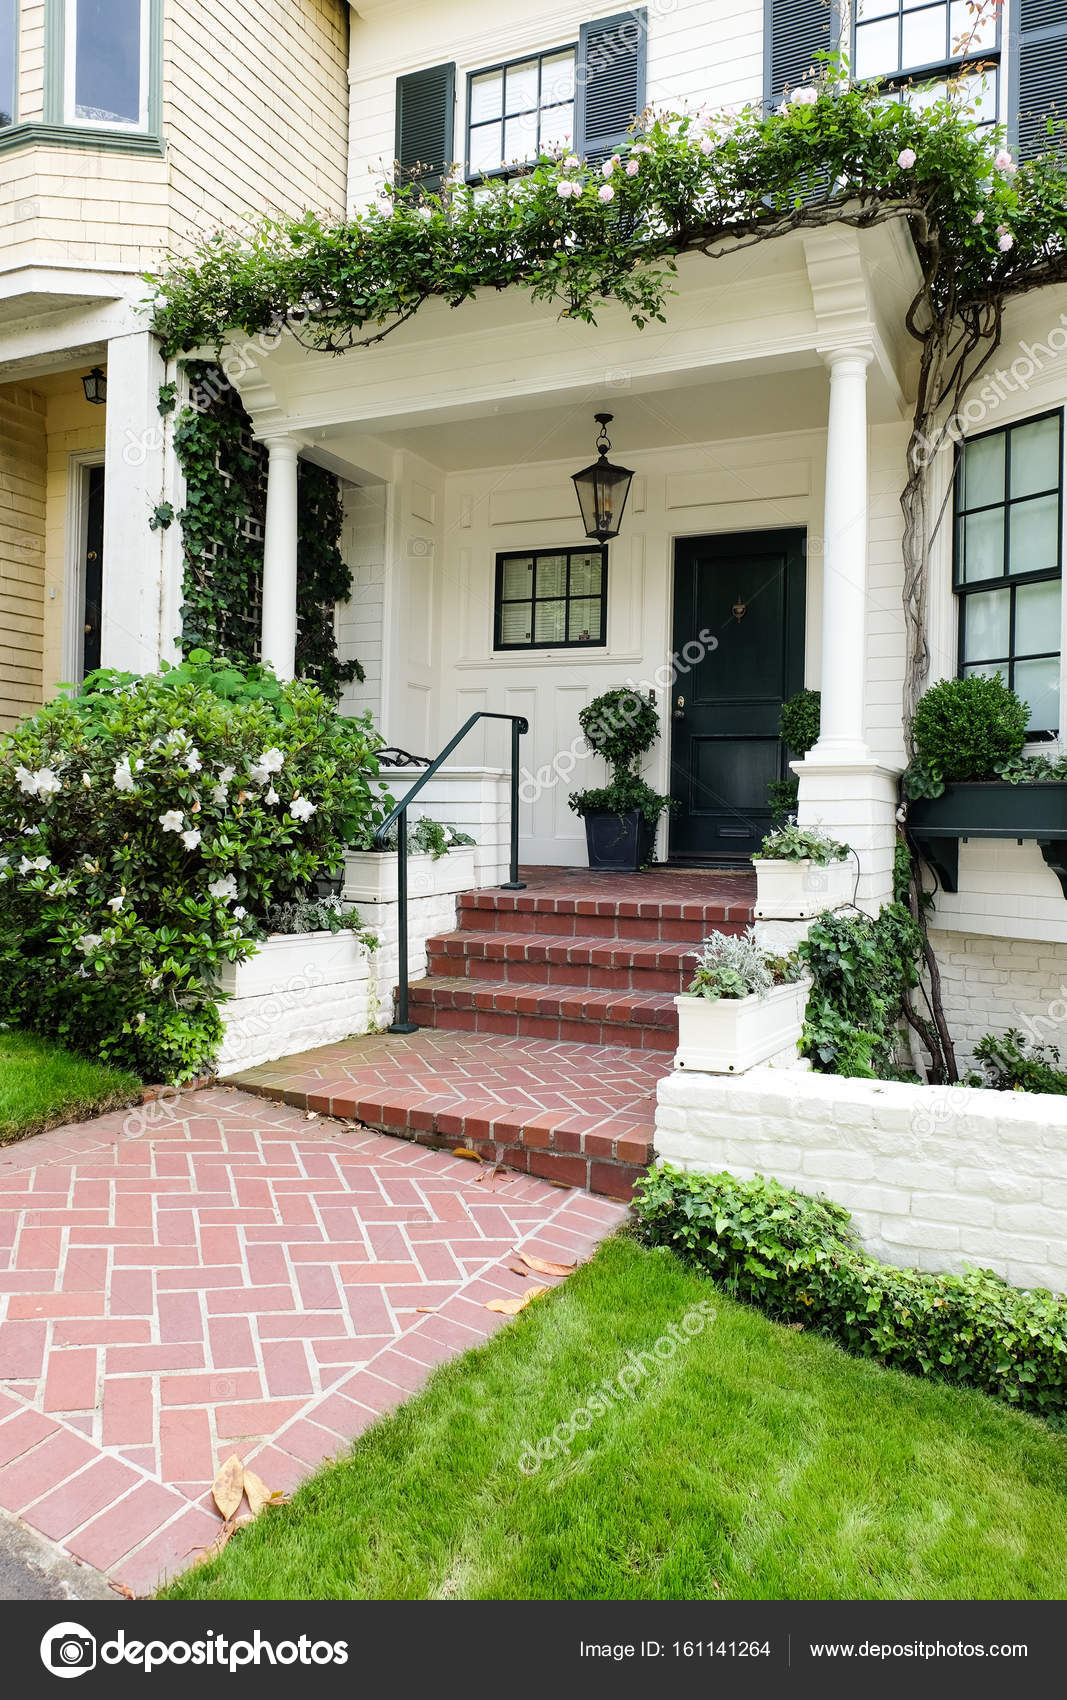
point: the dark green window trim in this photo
(72, 136)
(56, 132)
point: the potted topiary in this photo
(798, 728)
(970, 779)
(801, 872)
(743, 1006)
(620, 818)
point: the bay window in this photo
(106, 64)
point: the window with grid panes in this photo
(1008, 558)
(519, 110)
(911, 42)
(551, 599)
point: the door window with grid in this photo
(551, 599)
(1008, 556)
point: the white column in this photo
(278, 641)
(844, 574)
(135, 483)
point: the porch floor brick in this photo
(350, 1258)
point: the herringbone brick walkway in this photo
(223, 1274)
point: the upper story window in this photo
(914, 42)
(519, 110)
(9, 59)
(106, 64)
(1008, 560)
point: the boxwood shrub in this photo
(797, 1258)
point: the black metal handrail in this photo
(399, 818)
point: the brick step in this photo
(643, 1022)
(578, 1115)
(613, 965)
(600, 917)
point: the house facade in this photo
(766, 422)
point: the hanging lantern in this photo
(602, 489)
(95, 386)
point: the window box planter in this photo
(285, 962)
(990, 809)
(730, 1035)
(798, 890)
(619, 843)
(371, 875)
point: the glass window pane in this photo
(585, 620)
(8, 58)
(107, 62)
(557, 78)
(976, 97)
(987, 670)
(1035, 457)
(1037, 618)
(550, 622)
(587, 573)
(521, 86)
(557, 128)
(520, 137)
(1034, 532)
(982, 471)
(551, 575)
(487, 96)
(515, 623)
(876, 48)
(986, 626)
(486, 153)
(924, 37)
(868, 9)
(926, 95)
(518, 578)
(972, 28)
(981, 545)
(1038, 683)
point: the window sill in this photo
(72, 136)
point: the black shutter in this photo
(793, 32)
(1038, 88)
(425, 114)
(611, 81)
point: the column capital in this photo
(279, 444)
(860, 354)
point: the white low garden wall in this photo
(298, 991)
(937, 1177)
(477, 800)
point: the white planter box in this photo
(730, 1035)
(371, 875)
(291, 962)
(795, 891)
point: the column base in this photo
(856, 803)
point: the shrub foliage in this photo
(797, 1258)
(147, 826)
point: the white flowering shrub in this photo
(148, 826)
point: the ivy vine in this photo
(222, 526)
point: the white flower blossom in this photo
(27, 781)
(172, 821)
(122, 778)
(34, 864)
(226, 774)
(46, 782)
(300, 808)
(272, 796)
(191, 838)
(89, 942)
(224, 888)
(906, 158)
(804, 97)
(116, 903)
(220, 796)
(192, 761)
(240, 913)
(273, 760)
(87, 782)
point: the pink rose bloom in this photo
(979, 218)
(706, 145)
(1004, 161)
(606, 194)
(1005, 240)
(607, 168)
(803, 97)
(906, 158)
(633, 166)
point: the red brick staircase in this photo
(546, 1021)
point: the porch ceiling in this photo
(744, 337)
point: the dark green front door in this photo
(747, 593)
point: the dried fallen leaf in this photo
(121, 1588)
(465, 1151)
(512, 1307)
(426, 1310)
(257, 1492)
(229, 1486)
(212, 1550)
(490, 1174)
(545, 1268)
(513, 1269)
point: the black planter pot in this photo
(990, 809)
(619, 843)
(328, 885)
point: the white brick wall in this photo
(936, 1177)
(991, 984)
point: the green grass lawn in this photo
(757, 1463)
(42, 1086)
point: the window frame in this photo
(934, 70)
(15, 55)
(473, 178)
(1007, 580)
(569, 550)
(70, 70)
